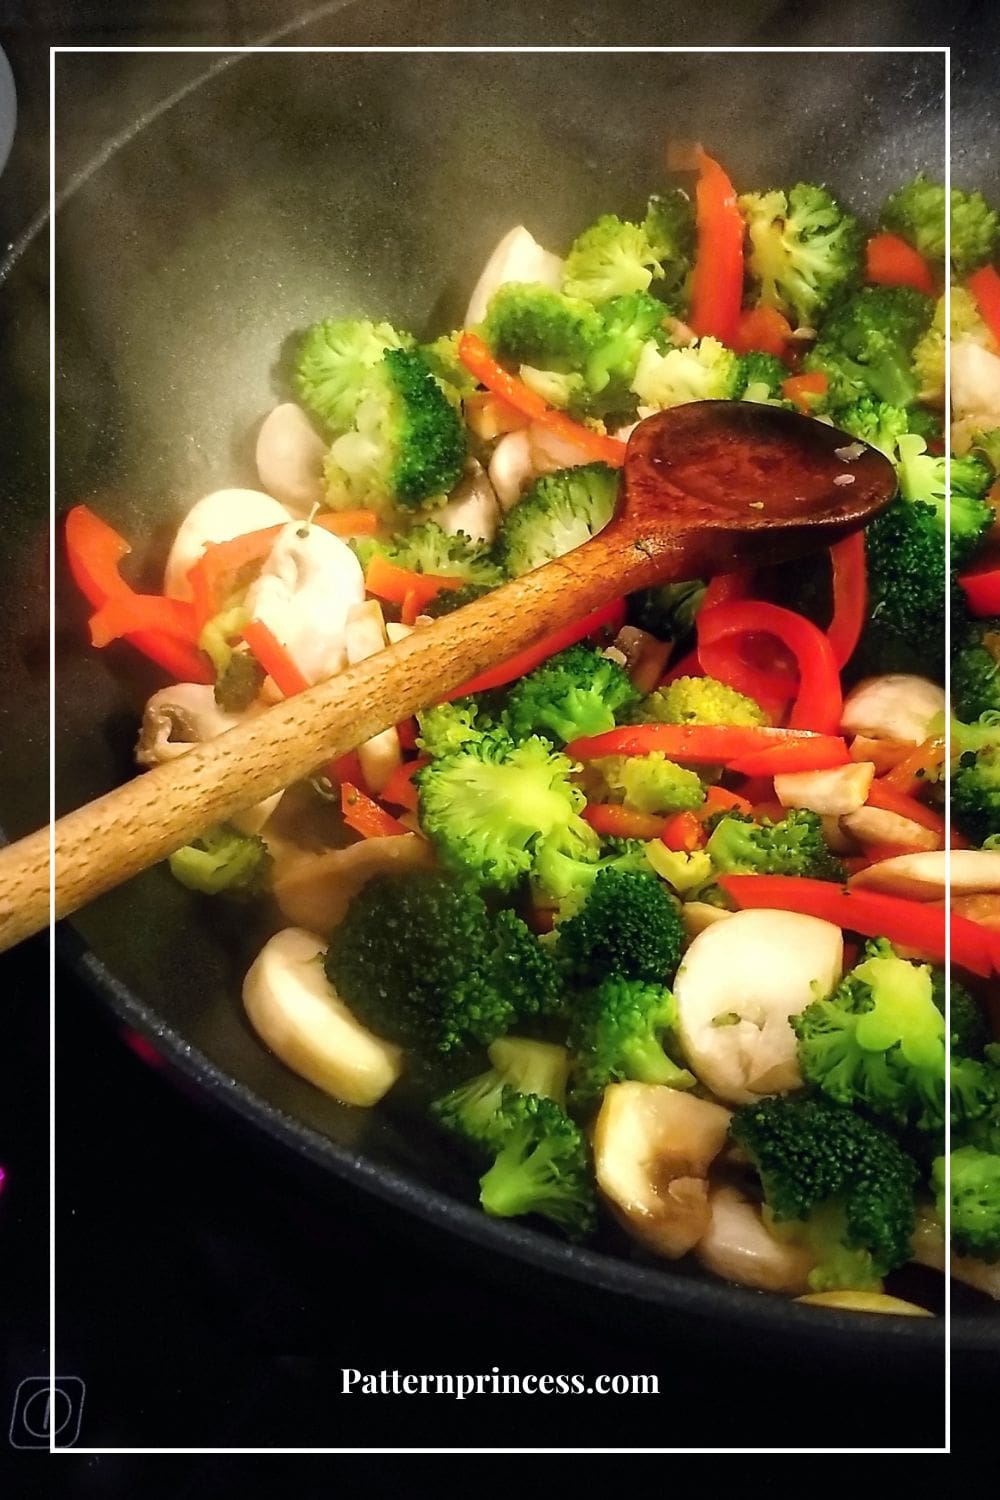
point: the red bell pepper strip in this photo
(762, 329)
(715, 744)
(399, 789)
(984, 285)
(911, 773)
(799, 389)
(348, 522)
(717, 278)
(611, 820)
(684, 832)
(890, 261)
(850, 596)
(819, 752)
(365, 816)
(533, 656)
(407, 731)
(479, 361)
(274, 658)
(820, 699)
(346, 768)
(725, 587)
(125, 613)
(912, 924)
(982, 589)
(720, 799)
(213, 576)
(388, 581)
(94, 550)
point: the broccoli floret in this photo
(652, 783)
(448, 600)
(866, 345)
(541, 1167)
(628, 926)
(610, 259)
(975, 1201)
(627, 324)
(421, 960)
(698, 700)
(986, 445)
(759, 379)
(441, 358)
(703, 371)
(975, 777)
(668, 611)
(969, 1032)
(975, 669)
(223, 861)
(530, 324)
(428, 548)
(559, 512)
(577, 692)
(874, 422)
(878, 1041)
(923, 478)
(567, 392)
(472, 1110)
(916, 212)
(804, 249)
(408, 443)
(447, 727)
(793, 846)
(488, 807)
(669, 226)
(566, 880)
(618, 1032)
(836, 1181)
(335, 367)
(239, 677)
(929, 351)
(686, 873)
(907, 582)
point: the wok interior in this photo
(292, 187)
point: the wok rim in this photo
(717, 1301)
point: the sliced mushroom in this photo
(874, 825)
(895, 706)
(645, 656)
(472, 507)
(303, 594)
(216, 518)
(315, 890)
(923, 877)
(653, 1147)
(518, 257)
(738, 1246)
(295, 1010)
(830, 793)
(511, 468)
(975, 380)
(737, 986)
(289, 458)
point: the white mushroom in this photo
(364, 636)
(518, 257)
(295, 1010)
(314, 890)
(304, 593)
(216, 518)
(653, 1147)
(923, 876)
(472, 507)
(511, 468)
(289, 458)
(739, 982)
(738, 1246)
(895, 706)
(875, 825)
(975, 380)
(830, 793)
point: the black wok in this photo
(278, 189)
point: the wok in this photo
(276, 189)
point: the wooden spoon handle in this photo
(111, 839)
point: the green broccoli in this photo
(879, 1040)
(986, 446)
(448, 600)
(975, 669)
(651, 783)
(335, 367)
(975, 1201)
(690, 875)
(407, 446)
(566, 880)
(428, 548)
(472, 1110)
(568, 392)
(670, 230)
(530, 324)
(916, 212)
(239, 677)
(447, 727)
(805, 250)
(874, 422)
(577, 692)
(610, 259)
(969, 1032)
(627, 325)
(793, 846)
(698, 700)
(617, 1032)
(923, 479)
(668, 611)
(866, 346)
(907, 584)
(760, 378)
(929, 352)
(975, 776)
(441, 358)
(834, 1181)
(225, 861)
(628, 927)
(541, 1166)
(559, 512)
(488, 807)
(703, 371)
(421, 959)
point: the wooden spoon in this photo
(708, 487)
